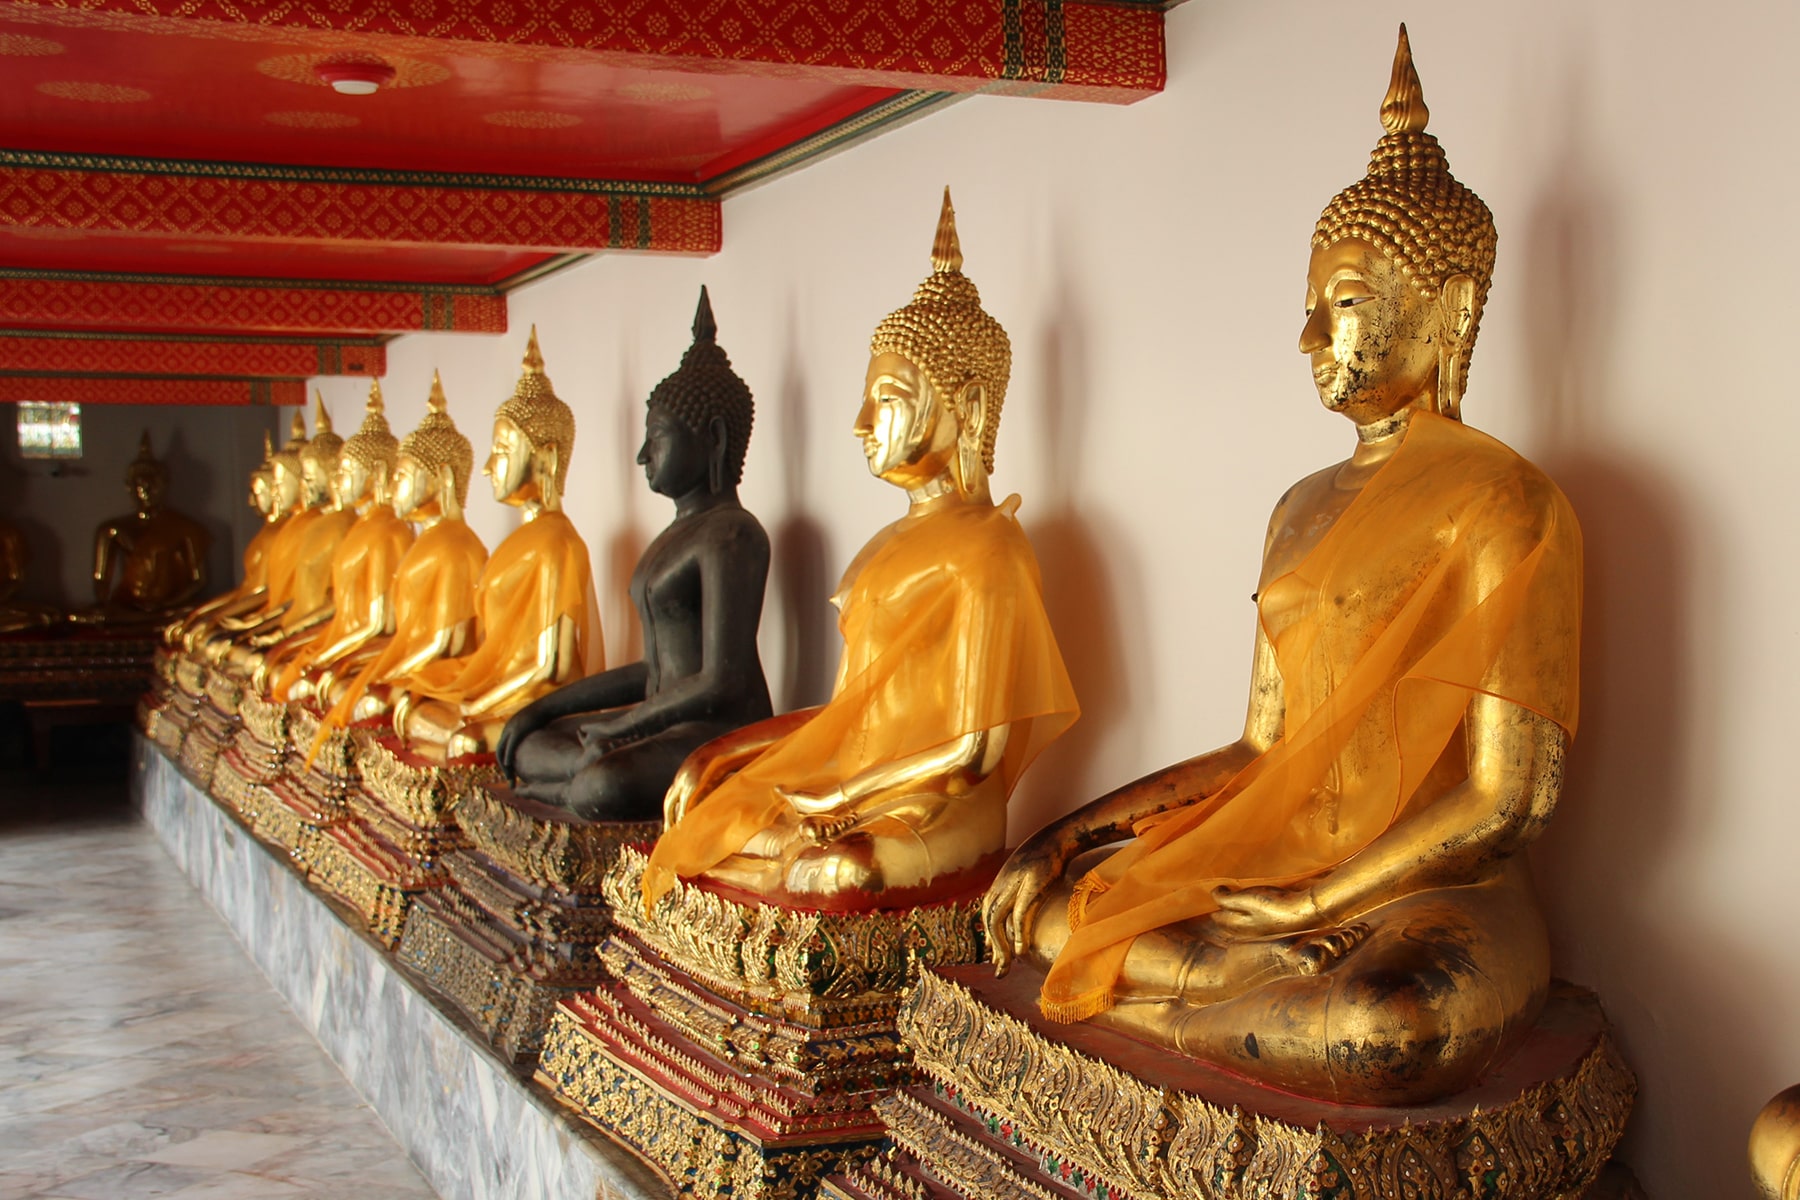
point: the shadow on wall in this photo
(1690, 1012)
(1083, 585)
(799, 551)
(618, 615)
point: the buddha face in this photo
(287, 487)
(412, 486)
(146, 489)
(509, 466)
(316, 480)
(1374, 341)
(908, 436)
(351, 484)
(673, 458)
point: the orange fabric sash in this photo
(311, 587)
(1456, 571)
(362, 569)
(284, 557)
(256, 556)
(945, 635)
(434, 589)
(536, 577)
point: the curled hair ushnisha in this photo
(145, 464)
(1410, 207)
(540, 416)
(946, 333)
(373, 445)
(437, 443)
(705, 386)
(323, 448)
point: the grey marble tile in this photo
(476, 1130)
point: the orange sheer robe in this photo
(536, 577)
(310, 589)
(1456, 571)
(945, 635)
(434, 589)
(362, 569)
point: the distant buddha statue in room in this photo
(152, 561)
(951, 681)
(15, 561)
(535, 602)
(607, 747)
(255, 581)
(362, 570)
(1338, 904)
(433, 591)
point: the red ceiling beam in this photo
(73, 300)
(1078, 49)
(250, 204)
(84, 389)
(236, 358)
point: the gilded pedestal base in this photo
(178, 691)
(1017, 1107)
(253, 762)
(306, 800)
(389, 843)
(519, 926)
(741, 1047)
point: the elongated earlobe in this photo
(715, 462)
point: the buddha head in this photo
(287, 479)
(697, 421)
(319, 457)
(431, 474)
(366, 462)
(1401, 264)
(938, 370)
(146, 477)
(534, 433)
(262, 495)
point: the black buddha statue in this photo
(607, 747)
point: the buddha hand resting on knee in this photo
(1338, 903)
(950, 682)
(606, 747)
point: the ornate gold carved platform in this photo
(254, 760)
(1016, 1107)
(520, 924)
(740, 1047)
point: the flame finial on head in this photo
(946, 250)
(374, 444)
(706, 329)
(1403, 109)
(268, 447)
(375, 404)
(436, 402)
(534, 407)
(321, 414)
(297, 429)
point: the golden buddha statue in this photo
(15, 561)
(535, 600)
(950, 682)
(299, 592)
(1775, 1147)
(433, 587)
(152, 561)
(362, 570)
(254, 584)
(1337, 904)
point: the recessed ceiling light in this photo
(362, 78)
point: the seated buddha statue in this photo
(152, 561)
(950, 682)
(15, 561)
(254, 583)
(534, 603)
(362, 570)
(607, 746)
(433, 590)
(1338, 903)
(299, 593)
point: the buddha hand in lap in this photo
(362, 570)
(950, 682)
(607, 746)
(535, 600)
(1337, 903)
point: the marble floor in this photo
(141, 1054)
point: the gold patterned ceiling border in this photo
(1082, 49)
(141, 354)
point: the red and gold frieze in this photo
(115, 389)
(1083, 50)
(71, 300)
(252, 204)
(237, 358)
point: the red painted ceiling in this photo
(167, 95)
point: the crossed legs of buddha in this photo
(1410, 1001)
(622, 780)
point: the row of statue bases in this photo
(787, 955)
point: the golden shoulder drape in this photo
(311, 587)
(284, 557)
(434, 589)
(945, 635)
(256, 556)
(536, 577)
(362, 569)
(1456, 571)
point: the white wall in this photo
(1148, 262)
